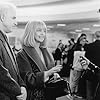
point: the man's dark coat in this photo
(10, 80)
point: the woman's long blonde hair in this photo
(28, 37)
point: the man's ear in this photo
(2, 17)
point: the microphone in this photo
(84, 58)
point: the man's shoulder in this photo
(90, 44)
(94, 44)
(1, 36)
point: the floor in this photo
(65, 98)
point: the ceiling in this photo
(28, 3)
(50, 10)
(75, 14)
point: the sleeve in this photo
(88, 51)
(31, 78)
(7, 83)
(21, 82)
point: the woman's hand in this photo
(50, 72)
(23, 95)
(55, 69)
(56, 76)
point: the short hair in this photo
(28, 37)
(82, 36)
(5, 6)
(97, 34)
(71, 39)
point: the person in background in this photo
(58, 54)
(12, 87)
(35, 62)
(93, 54)
(70, 55)
(71, 43)
(64, 70)
(60, 41)
(77, 69)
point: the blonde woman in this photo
(36, 64)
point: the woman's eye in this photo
(45, 31)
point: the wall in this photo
(53, 37)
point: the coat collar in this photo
(7, 47)
(2, 36)
(32, 53)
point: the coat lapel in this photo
(9, 51)
(11, 55)
(48, 58)
(32, 53)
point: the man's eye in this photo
(14, 18)
(45, 31)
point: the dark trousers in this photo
(93, 88)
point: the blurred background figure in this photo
(58, 54)
(77, 69)
(93, 54)
(60, 41)
(67, 57)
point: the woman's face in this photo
(40, 33)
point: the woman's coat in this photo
(32, 70)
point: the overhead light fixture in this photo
(72, 32)
(50, 26)
(61, 24)
(86, 29)
(96, 25)
(78, 30)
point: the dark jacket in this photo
(31, 70)
(58, 54)
(10, 80)
(93, 52)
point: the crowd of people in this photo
(24, 76)
(76, 59)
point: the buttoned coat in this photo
(10, 80)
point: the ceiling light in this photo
(61, 24)
(96, 25)
(78, 30)
(72, 32)
(86, 29)
(50, 26)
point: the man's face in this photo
(9, 20)
(83, 40)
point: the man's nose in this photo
(15, 23)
